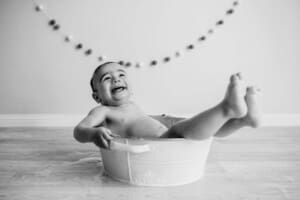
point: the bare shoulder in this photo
(99, 110)
(95, 117)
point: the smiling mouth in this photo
(118, 89)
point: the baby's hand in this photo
(102, 137)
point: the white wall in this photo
(40, 73)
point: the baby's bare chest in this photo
(134, 123)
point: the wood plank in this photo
(47, 163)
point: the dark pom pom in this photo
(56, 27)
(88, 52)
(167, 59)
(79, 46)
(121, 62)
(220, 22)
(202, 38)
(190, 47)
(100, 58)
(52, 22)
(153, 63)
(229, 12)
(127, 64)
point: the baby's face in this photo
(112, 85)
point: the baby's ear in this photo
(96, 97)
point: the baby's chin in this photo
(120, 101)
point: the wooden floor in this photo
(47, 163)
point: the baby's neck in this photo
(123, 104)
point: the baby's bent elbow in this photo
(83, 134)
(76, 134)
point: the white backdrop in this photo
(40, 73)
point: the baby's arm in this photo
(90, 129)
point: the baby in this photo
(118, 116)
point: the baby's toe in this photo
(252, 90)
(235, 78)
(239, 75)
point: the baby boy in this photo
(118, 116)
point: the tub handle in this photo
(117, 146)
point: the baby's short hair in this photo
(92, 82)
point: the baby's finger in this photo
(98, 142)
(104, 142)
(107, 136)
(108, 131)
(114, 135)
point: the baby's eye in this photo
(122, 75)
(106, 78)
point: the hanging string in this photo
(68, 38)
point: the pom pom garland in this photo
(101, 58)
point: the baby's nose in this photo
(115, 80)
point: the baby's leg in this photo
(207, 124)
(252, 119)
(167, 120)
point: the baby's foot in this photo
(234, 105)
(253, 117)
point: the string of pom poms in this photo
(68, 38)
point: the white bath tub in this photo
(156, 162)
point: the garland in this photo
(55, 26)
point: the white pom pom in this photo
(68, 38)
(178, 53)
(139, 64)
(39, 8)
(101, 58)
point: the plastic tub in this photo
(156, 162)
